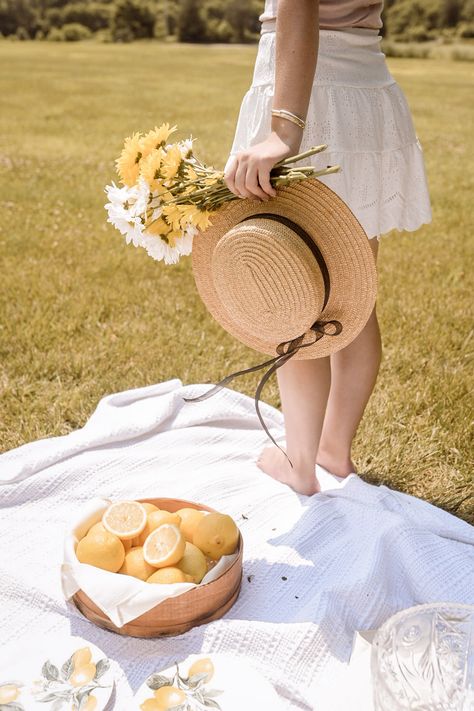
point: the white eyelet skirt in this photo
(360, 112)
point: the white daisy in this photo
(141, 194)
(186, 147)
(118, 195)
(159, 250)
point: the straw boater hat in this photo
(292, 277)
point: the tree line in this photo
(206, 20)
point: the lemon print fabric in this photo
(55, 673)
(180, 690)
(222, 681)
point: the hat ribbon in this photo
(285, 349)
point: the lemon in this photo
(103, 550)
(90, 705)
(152, 705)
(202, 666)
(169, 576)
(164, 546)
(216, 535)
(193, 563)
(170, 696)
(135, 564)
(81, 657)
(189, 520)
(96, 528)
(83, 675)
(100, 528)
(149, 507)
(125, 519)
(155, 519)
(8, 693)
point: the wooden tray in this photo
(177, 615)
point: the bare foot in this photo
(339, 467)
(273, 462)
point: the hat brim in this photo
(341, 240)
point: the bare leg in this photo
(354, 371)
(304, 389)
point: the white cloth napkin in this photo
(121, 597)
(315, 568)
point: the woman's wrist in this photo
(287, 131)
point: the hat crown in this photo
(267, 279)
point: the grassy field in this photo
(82, 315)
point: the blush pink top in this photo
(337, 14)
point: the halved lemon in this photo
(155, 519)
(125, 519)
(164, 546)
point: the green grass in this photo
(83, 315)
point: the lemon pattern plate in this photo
(202, 682)
(65, 673)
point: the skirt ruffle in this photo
(361, 113)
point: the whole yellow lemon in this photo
(136, 565)
(168, 576)
(101, 549)
(216, 535)
(189, 520)
(193, 563)
(100, 528)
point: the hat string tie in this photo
(285, 350)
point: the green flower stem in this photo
(310, 152)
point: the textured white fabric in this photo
(358, 109)
(315, 568)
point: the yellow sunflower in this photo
(157, 138)
(173, 236)
(171, 162)
(192, 214)
(173, 215)
(201, 219)
(127, 164)
(158, 227)
(150, 169)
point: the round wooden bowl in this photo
(177, 615)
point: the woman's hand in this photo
(247, 174)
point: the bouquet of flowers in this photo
(168, 194)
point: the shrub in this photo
(219, 31)
(22, 33)
(405, 51)
(75, 32)
(133, 19)
(466, 30)
(191, 25)
(104, 35)
(94, 15)
(462, 54)
(55, 35)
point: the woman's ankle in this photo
(338, 462)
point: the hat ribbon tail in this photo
(285, 350)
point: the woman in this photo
(321, 62)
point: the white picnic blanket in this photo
(316, 568)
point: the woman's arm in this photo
(297, 40)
